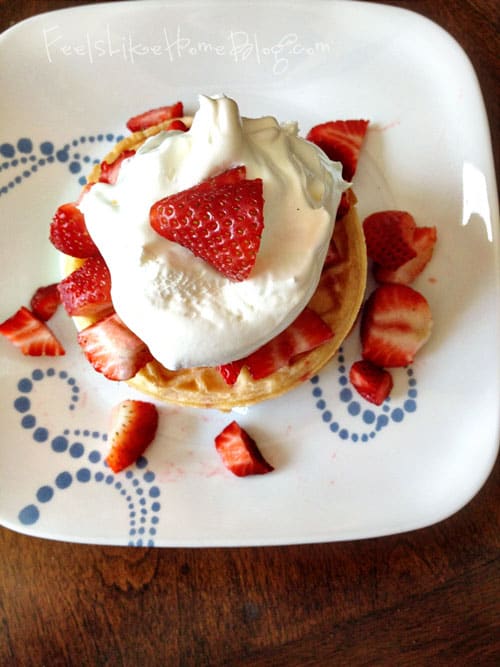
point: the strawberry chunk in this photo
(45, 301)
(113, 349)
(424, 240)
(87, 290)
(68, 232)
(370, 381)
(389, 238)
(133, 428)
(30, 335)
(110, 170)
(231, 371)
(155, 116)
(396, 322)
(239, 452)
(341, 140)
(219, 221)
(305, 333)
(177, 125)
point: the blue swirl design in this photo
(19, 161)
(135, 486)
(373, 418)
(22, 159)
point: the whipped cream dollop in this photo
(186, 312)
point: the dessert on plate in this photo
(224, 262)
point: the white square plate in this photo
(344, 468)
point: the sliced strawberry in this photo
(239, 452)
(231, 371)
(109, 170)
(155, 116)
(396, 322)
(371, 382)
(133, 428)
(45, 302)
(87, 291)
(389, 238)
(220, 222)
(177, 125)
(305, 333)
(30, 335)
(68, 232)
(113, 349)
(424, 240)
(341, 140)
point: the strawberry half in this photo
(370, 381)
(133, 428)
(396, 322)
(155, 116)
(305, 333)
(221, 222)
(87, 291)
(341, 140)
(389, 238)
(68, 232)
(239, 452)
(113, 349)
(110, 170)
(45, 301)
(424, 240)
(30, 335)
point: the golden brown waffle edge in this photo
(337, 300)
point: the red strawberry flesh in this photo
(220, 222)
(86, 292)
(30, 335)
(239, 452)
(305, 333)
(231, 371)
(370, 381)
(133, 428)
(389, 238)
(396, 322)
(68, 232)
(113, 349)
(424, 240)
(177, 125)
(110, 170)
(45, 301)
(341, 140)
(155, 116)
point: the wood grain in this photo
(429, 597)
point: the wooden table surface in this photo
(429, 597)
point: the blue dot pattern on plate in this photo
(23, 159)
(370, 419)
(136, 486)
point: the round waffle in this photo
(337, 300)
